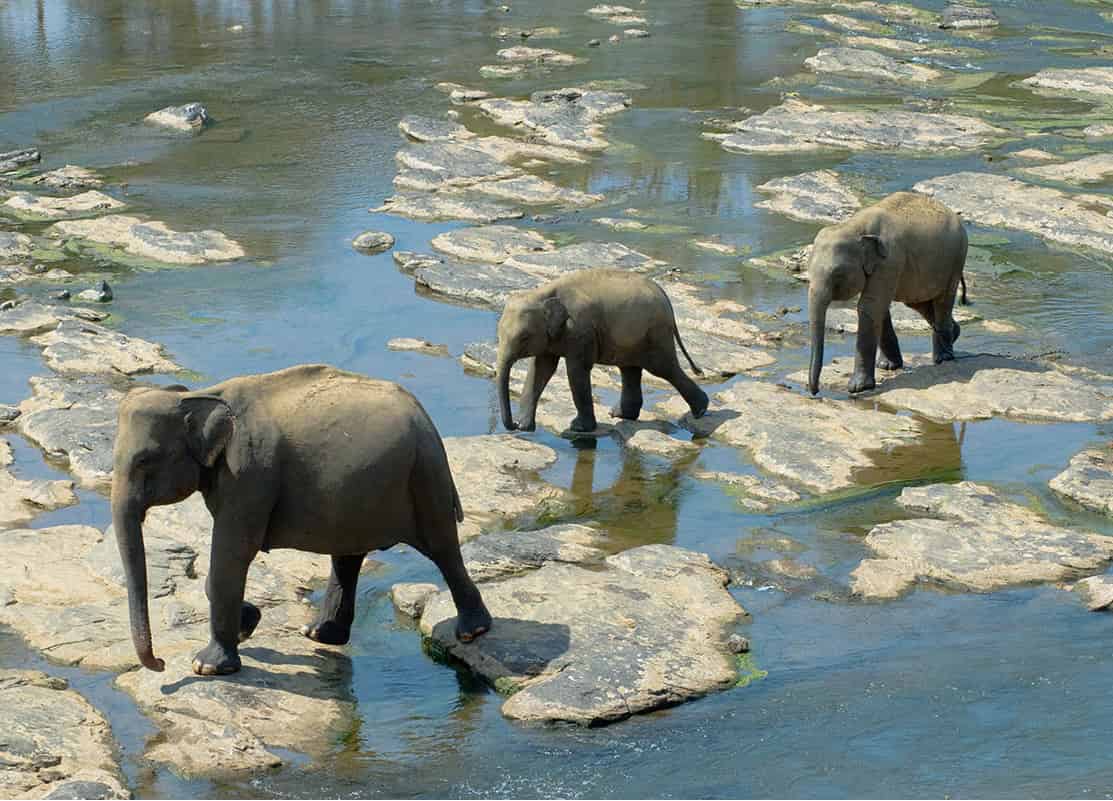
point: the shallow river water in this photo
(1002, 694)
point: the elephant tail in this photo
(962, 282)
(456, 505)
(684, 350)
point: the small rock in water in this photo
(372, 242)
(614, 38)
(63, 294)
(418, 345)
(101, 294)
(235, 28)
(191, 117)
(14, 159)
(410, 598)
(962, 16)
(635, 33)
(8, 414)
(738, 644)
(593, 43)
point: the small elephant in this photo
(592, 317)
(907, 247)
(311, 458)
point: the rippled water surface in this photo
(936, 694)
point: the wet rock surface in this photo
(433, 207)
(22, 500)
(812, 196)
(188, 118)
(69, 177)
(976, 541)
(566, 117)
(55, 744)
(12, 160)
(127, 239)
(796, 126)
(504, 553)
(428, 129)
(77, 346)
(592, 646)
(997, 200)
(962, 17)
(417, 346)
(1091, 169)
(538, 55)
(1088, 480)
(1087, 81)
(27, 206)
(372, 242)
(754, 493)
(490, 243)
(1096, 592)
(869, 64)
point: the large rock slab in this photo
(844, 320)
(128, 239)
(68, 178)
(486, 286)
(1091, 169)
(430, 129)
(12, 160)
(22, 500)
(504, 553)
(433, 207)
(489, 243)
(796, 126)
(1088, 81)
(860, 63)
(974, 541)
(963, 17)
(76, 346)
(30, 317)
(550, 264)
(25, 206)
(1088, 480)
(819, 443)
(997, 200)
(566, 117)
(537, 55)
(55, 744)
(812, 196)
(594, 646)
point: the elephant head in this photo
(841, 261)
(166, 439)
(530, 325)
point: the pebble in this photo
(738, 644)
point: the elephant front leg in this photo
(540, 371)
(630, 404)
(249, 612)
(230, 558)
(579, 380)
(890, 348)
(870, 321)
(338, 610)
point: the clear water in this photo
(995, 695)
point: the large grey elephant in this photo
(907, 247)
(592, 317)
(311, 458)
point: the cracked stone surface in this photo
(571, 644)
(67, 178)
(22, 500)
(25, 206)
(127, 239)
(974, 540)
(499, 554)
(869, 64)
(1088, 480)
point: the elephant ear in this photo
(209, 424)
(875, 252)
(556, 315)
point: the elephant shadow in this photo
(512, 647)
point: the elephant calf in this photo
(592, 317)
(311, 458)
(907, 247)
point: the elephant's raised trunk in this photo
(503, 380)
(817, 315)
(126, 519)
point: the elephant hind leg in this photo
(889, 346)
(944, 329)
(334, 623)
(670, 370)
(630, 405)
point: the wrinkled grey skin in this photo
(907, 247)
(311, 458)
(592, 317)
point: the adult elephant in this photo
(311, 458)
(592, 317)
(907, 247)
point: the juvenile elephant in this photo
(311, 458)
(592, 317)
(907, 247)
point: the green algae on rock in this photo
(131, 240)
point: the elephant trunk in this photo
(503, 380)
(817, 315)
(127, 520)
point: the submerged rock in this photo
(1091, 169)
(127, 239)
(595, 646)
(554, 263)
(68, 177)
(539, 55)
(472, 284)
(845, 23)
(975, 541)
(13, 160)
(869, 64)
(26, 206)
(752, 492)
(436, 206)
(812, 196)
(961, 17)
(190, 118)
(14, 245)
(997, 200)
(23, 500)
(1088, 480)
(796, 126)
(75, 346)
(418, 346)
(657, 443)
(501, 70)
(428, 129)
(55, 743)
(1097, 81)
(372, 242)
(458, 93)
(489, 243)
(100, 294)
(616, 15)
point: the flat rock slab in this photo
(486, 286)
(964, 17)
(22, 500)
(567, 117)
(974, 541)
(187, 118)
(616, 15)
(812, 196)
(417, 346)
(1091, 169)
(489, 243)
(1000, 201)
(67, 178)
(538, 55)
(76, 346)
(1088, 480)
(1089, 81)
(1096, 591)
(432, 207)
(30, 317)
(752, 492)
(551, 264)
(25, 206)
(499, 554)
(905, 321)
(869, 64)
(796, 126)
(129, 239)
(594, 646)
(15, 246)
(981, 387)
(12, 160)
(55, 744)
(430, 129)
(658, 443)
(817, 442)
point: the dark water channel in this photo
(1006, 694)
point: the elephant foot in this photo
(216, 660)
(619, 413)
(860, 383)
(582, 425)
(527, 425)
(947, 355)
(328, 632)
(885, 363)
(699, 408)
(249, 619)
(472, 623)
